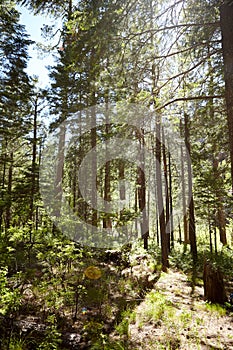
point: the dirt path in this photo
(186, 321)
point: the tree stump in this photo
(214, 289)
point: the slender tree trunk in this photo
(180, 236)
(3, 185)
(171, 201)
(185, 214)
(121, 171)
(121, 178)
(222, 224)
(34, 179)
(226, 23)
(142, 192)
(192, 226)
(220, 216)
(157, 230)
(162, 223)
(157, 221)
(107, 223)
(136, 204)
(39, 213)
(210, 230)
(9, 193)
(74, 183)
(34, 166)
(81, 205)
(166, 190)
(59, 171)
(94, 216)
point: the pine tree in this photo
(14, 102)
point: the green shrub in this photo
(10, 298)
(52, 336)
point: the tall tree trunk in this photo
(80, 203)
(74, 184)
(94, 216)
(161, 213)
(215, 239)
(3, 185)
(166, 190)
(185, 214)
(142, 191)
(162, 223)
(210, 230)
(136, 204)
(59, 171)
(218, 176)
(171, 201)
(34, 166)
(192, 225)
(9, 193)
(121, 171)
(220, 216)
(107, 223)
(107, 195)
(226, 23)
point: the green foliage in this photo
(127, 317)
(10, 298)
(20, 342)
(94, 331)
(52, 336)
(221, 260)
(62, 253)
(181, 258)
(17, 344)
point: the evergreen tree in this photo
(14, 101)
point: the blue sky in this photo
(38, 62)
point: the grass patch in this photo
(157, 308)
(215, 309)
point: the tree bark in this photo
(94, 216)
(142, 192)
(34, 165)
(122, 185)
(226, 24)
(185, 215)
(59, 171)
(9, 193)
(220, 215)
(166, 190)
(171, 201)
(214, 290)
(162, 224)
(2, 196)
(184, 205)
(107, 223)
(192, 225)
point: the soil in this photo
(206, 328)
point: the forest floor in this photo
(131, 306)
(175, 316)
